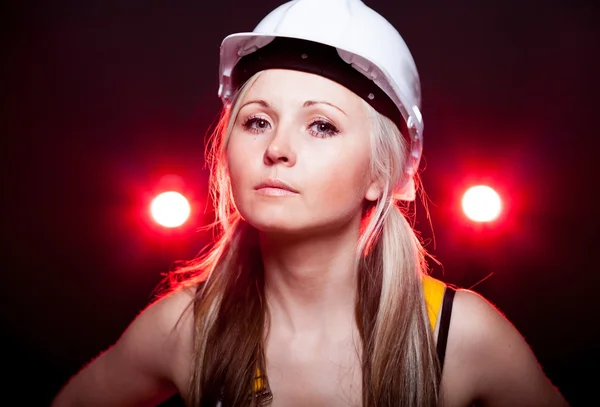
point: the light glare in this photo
(481, 204)
(170, 209)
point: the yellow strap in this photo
(434, 294)
(259, 383)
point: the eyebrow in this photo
(260, 102)
(308, 103)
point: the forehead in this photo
(287, 86)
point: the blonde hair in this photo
(399, 362)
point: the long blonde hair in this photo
(399, 362)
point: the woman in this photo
(316, 292)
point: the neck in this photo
(310, 282)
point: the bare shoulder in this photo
(489, 362)
(167, 316)
(147, 364)
(163, 334)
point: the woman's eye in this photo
(322, 129)
(256, 125)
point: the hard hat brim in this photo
(236, 46)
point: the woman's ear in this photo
(374, 191)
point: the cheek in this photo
(235, 163)
(341, 177)
(244, 159)
(240, 157)
(234, 159)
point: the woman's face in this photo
(299, 154)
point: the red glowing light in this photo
(170, 209)
(481, 204)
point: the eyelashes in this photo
(322, 128)
(319, 128)
(256, 125)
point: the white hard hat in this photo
(362, 38)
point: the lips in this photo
(275, 184)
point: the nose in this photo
(280, 150)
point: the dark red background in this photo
(101, 99)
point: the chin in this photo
(271, 216)
(295, 220)
(296, 227)
(274, 225)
